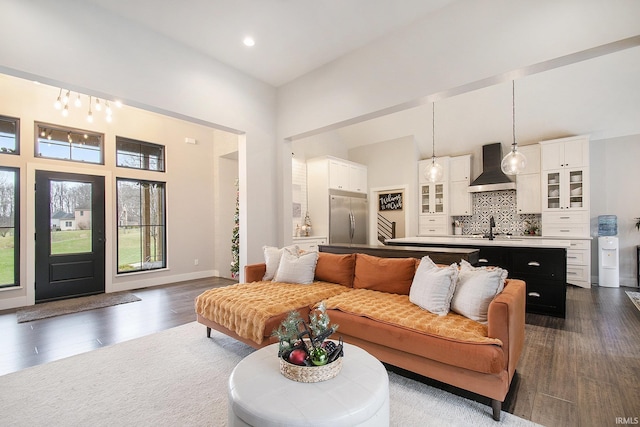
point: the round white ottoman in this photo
(259, 395)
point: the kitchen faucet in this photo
(492, 223)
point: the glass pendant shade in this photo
(434, 172)
(514, 162)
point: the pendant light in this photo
(434, 172)
(514, 162)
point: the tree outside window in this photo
(141, 225)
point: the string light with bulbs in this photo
(63, 101)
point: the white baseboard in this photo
(157, 281)
(6, 304)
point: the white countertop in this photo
(516, 241)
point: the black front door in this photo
(69, 235)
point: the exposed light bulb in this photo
(118, 103)
(98, 105)
(90, 117)
(65, 111)
(108, 118)
(78, 102)
(43, 133)
(107, 108)
(249, 41)
(65, 99)
(58, 104)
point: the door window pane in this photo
(9, 228)
(141, 225)
(70, 217)
(54, 142)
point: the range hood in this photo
(492, 178)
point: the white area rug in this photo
(635, 298)
(179, 377)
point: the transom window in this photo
(139, 155)
(55, 142)
(9, 135)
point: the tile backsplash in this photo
(502, 206)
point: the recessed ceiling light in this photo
(249, 41)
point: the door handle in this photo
(534, 294)
(483, 260)
(533, 264)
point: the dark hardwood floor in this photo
(579, 371)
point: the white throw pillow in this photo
(272, 257)
(432, 287)
(297, 267)
(476, 288)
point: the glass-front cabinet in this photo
(565, 189)
(432, 198)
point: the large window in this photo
(141, 225)
(139, 155)
(9, 135)
(9, 228)
(55, 142)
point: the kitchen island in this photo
(540, 262)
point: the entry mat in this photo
(73, 305)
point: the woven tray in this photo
(310, 374)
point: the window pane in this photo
(141, 225)
(9, 135)
(139, 155)
(9, 239)
(68, 144)
(70, 217)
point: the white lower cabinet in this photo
(433, 225)
(579, 263)
(309, 244)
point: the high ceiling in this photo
(292, 37)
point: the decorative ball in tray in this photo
(305, 352)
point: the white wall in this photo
(80, 46)
(615, 176)
(393, 164)
(225, 176)
(462, 43)
(191, 174)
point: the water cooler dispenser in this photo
(608, 251)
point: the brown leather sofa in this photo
(480, 368)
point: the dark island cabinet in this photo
(544, 270)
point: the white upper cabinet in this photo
(572, 152)
(345, 175)
(528, 181)
(357, 178)
(459, 179)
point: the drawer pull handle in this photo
(572, 272)
(534, 294)
(572, 257)
(534, 264)
(565, 231)
(565, 217)
(483, 260)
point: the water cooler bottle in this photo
(608, 251)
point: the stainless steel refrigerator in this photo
(347, 217)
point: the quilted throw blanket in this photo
(245, 308)
(397, 310)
